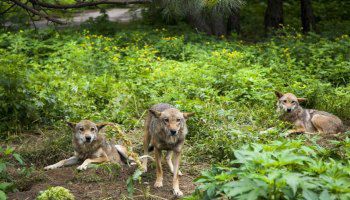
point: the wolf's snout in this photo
(289, 110)
(173, 132)
(88, 138)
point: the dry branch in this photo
(37, 6)
(87, 4)
(36, 12)
(9, 8)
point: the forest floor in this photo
(106, 182)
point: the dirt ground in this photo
(104, 182)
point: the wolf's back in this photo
(160, 107)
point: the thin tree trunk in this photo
(233, 23)
(215, 23)
(274, 14)
(307, 16)
(218, 24)
(199, 23)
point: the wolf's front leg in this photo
(159, 180)
(170, 162)
(93, 160)
(70, 161)
(176, 188)
(299, 128)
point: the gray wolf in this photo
(306, 120)
(91, 146)
(165, 129)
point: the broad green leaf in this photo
(8, 151)
(137, 174)
(18, 158)
(293, 181)
(4, 186)
(2, 167)
(2, 195)
(309, 195)
(130, 186)
(240, 187)
(252, 195)
(325, 195)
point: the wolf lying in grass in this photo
(90, 146)
(165, 129)
(306, 120)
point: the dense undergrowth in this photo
(48, 77)
(292, 169)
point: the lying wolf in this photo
(165, 129)
(90, 146)
(306, 120)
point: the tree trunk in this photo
(215, 24)
(199, 23)
(233, 23)
(274, 14)
(307, 16)
(218, 24)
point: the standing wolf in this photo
(165, 129)
(90, 146)
(306, 120)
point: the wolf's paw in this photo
(50, 167)
(180, 173)
(177, 193)
(158, 184)
(294, 132)
(132, 163)
(82, 167)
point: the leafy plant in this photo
(58, 193)
(277, 170)
(6, 155)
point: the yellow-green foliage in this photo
(51, 76)
(56, 193)
(47, 77)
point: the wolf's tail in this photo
(123, 152)
(146, 156)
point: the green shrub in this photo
(17, 105)
(7, 155)
(75, 74)
(56, 193)
(277, 170)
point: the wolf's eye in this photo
(92, 129)
(81, 129)
(166, 120)
(293, 102)
(284, 101)
(178, 120)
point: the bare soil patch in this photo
(100, 184)
(105, 182)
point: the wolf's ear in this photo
(155, 113)
(71, 125)
(278, 94)
(188, 114)
(302, 100)
(103, 124)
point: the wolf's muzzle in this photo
(173, 132)
(88, 138)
